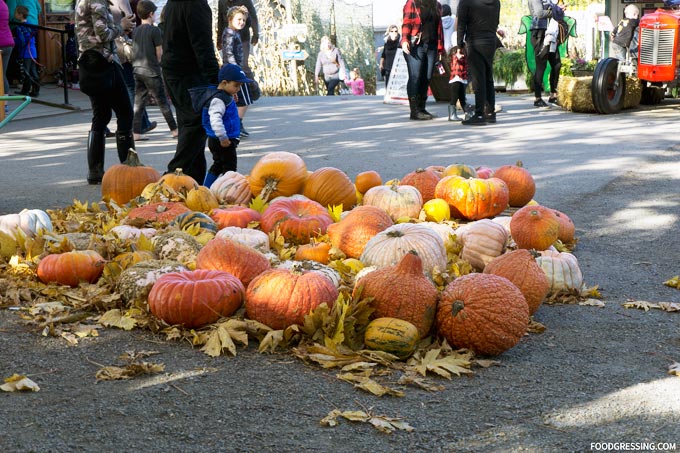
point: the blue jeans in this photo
(420, 64)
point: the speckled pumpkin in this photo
(473, 198)
(298, 219)
(482, 312)
(352, 233)
(520, 267)
(401, 291)
(534, 227)
(195, 298)
(280, 298)
(162, 212)
(230, 256)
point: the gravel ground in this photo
(595, 375)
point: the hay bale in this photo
(575, 93)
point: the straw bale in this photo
(574, 93)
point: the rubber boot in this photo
(95, 156)
(416, 114)
(124, 141)
(453, 114)
(422, 100)
(35, 90)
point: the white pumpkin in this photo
(398, 201)
(257, 239)
(130, 232)
(390, 245)
(29, 221)
(562, 270)
(446, 232)
(482, 240)
(232, 188)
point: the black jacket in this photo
(477, 21)
(187, 40)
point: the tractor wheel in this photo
(652, 95)
(609, 86)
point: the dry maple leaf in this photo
(114, 373)
(223, 337)
(363, 381)
(381, 422)
(115, 318)
(455, 363)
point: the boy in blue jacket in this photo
(220, 119)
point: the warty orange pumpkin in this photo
(423, 180)
(354, 230)
(534, 227)
(485, 313)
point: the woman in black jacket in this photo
(388, 52)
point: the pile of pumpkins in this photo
(212, 248)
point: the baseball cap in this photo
(232, 73)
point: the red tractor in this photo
(657, 64)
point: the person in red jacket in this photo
(422, 40)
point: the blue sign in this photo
(294, 54)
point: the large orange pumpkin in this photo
(158, 212)
(123, 182)
(401, 291)
(227, 255)
(70, 268)
(278, 174)
(234, 216)
(521, 268)
(567, 229)
(367, 179)
(521, 185)
(195, 298)
(329, 186)
(352, 233)
(423, 180)
(298, 219)
(179, 182)
(534, 227)
(473, 198)
(280, 298)
(482, 312)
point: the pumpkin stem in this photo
(132, 159)
(411, 264)
(520, 164)
(394, 234)
(457, 307)
(535, 253)
(269, 188)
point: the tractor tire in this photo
(609, 86)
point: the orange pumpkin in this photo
(566, 229)
(423, 180)
(71, 268)
(352, 233)
(158, 212)
(316, 252)
(521, 185)
(298, 219)
(280, 298)
(234, 216)
(437, 169)
(179, 182)
(534, 227)
(196, 298)
(123, 182)
(521, 268)
(329, 186)
(367, 179)
(415, 300)
(473, 198)
(232, 188)
(227, 255)
(278, 174)
(482, 312)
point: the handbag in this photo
(95, 73)
(124, 49)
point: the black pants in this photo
(480, 69)
(224, 159)
(151, 86)
(332, 83)
(458, 93)
(553, 58)
(116, 100)
(190, 151)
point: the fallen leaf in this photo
(674, 369)
(363, 381)
(535, 326)
(411, 378)
(19, 383)
(115, 318)
(592, 302)
(114, 373)
(673, 282)
(455, 363)
(381, 422)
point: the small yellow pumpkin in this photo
(201, 199)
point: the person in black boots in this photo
(188, 61)
(422, 40)
(476, 30)
(96, 31)
(541, 12)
